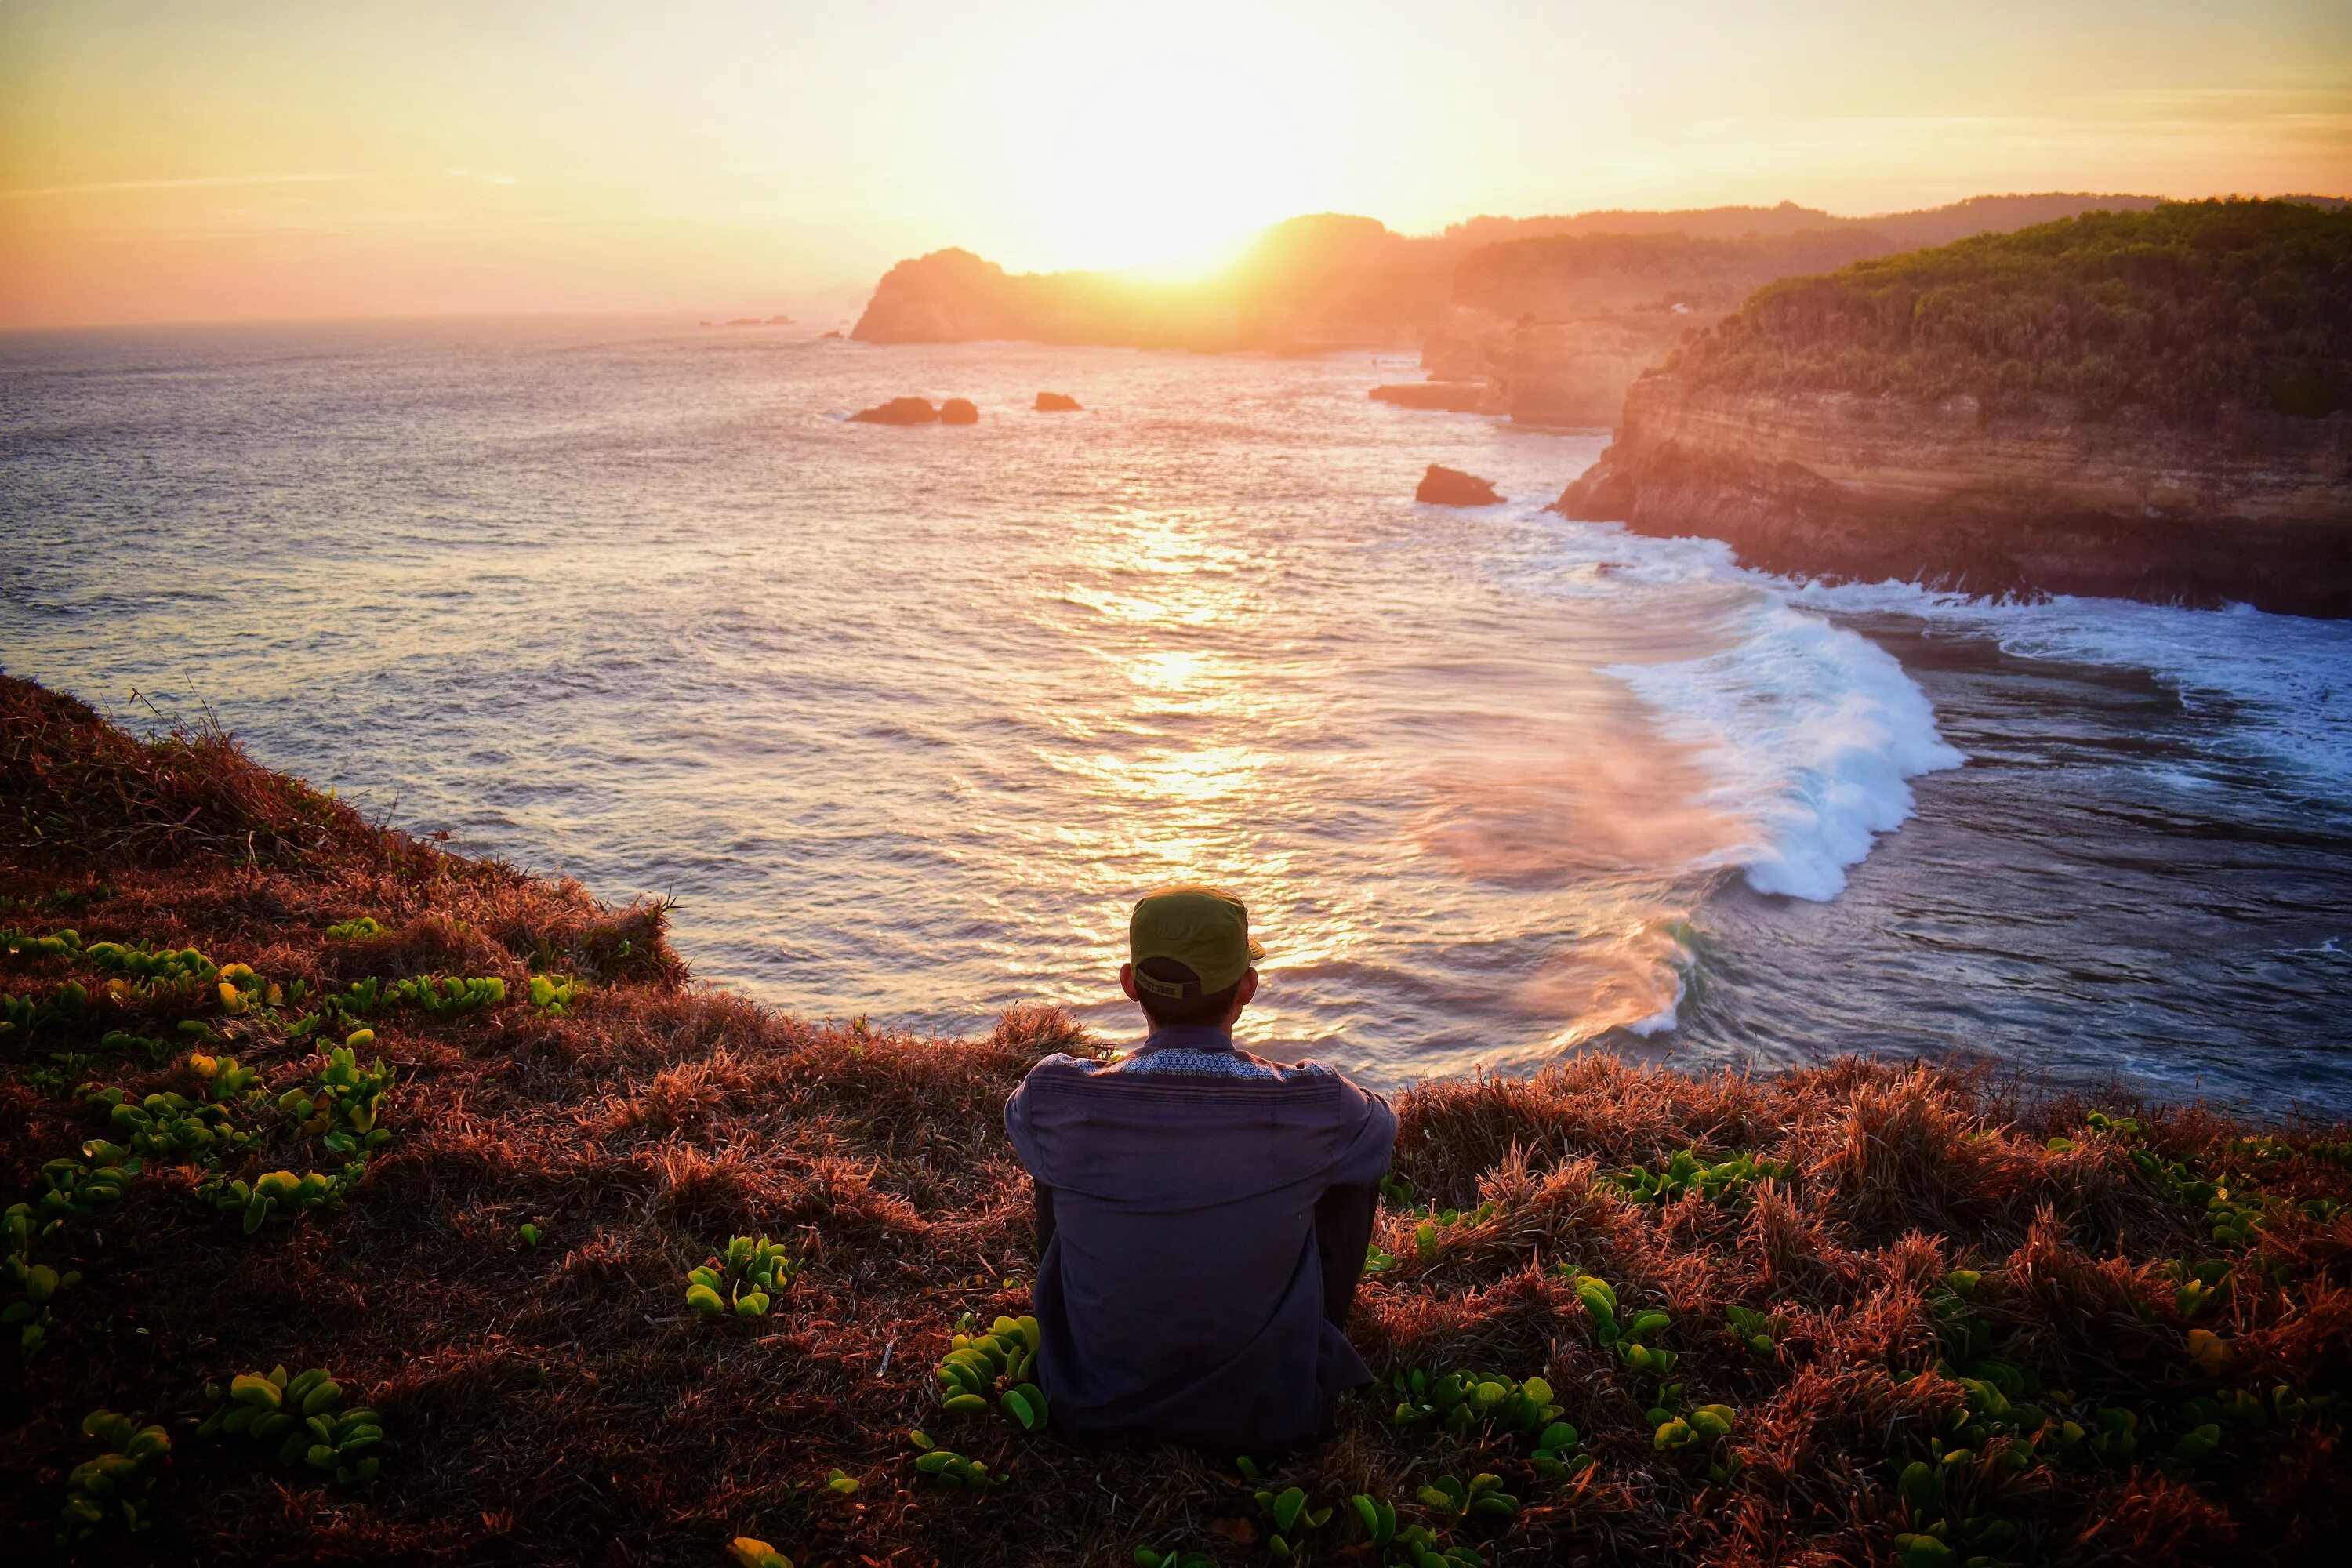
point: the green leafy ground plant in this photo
(743, 1280)
(998, 1364)
(1406, 1546)
(1479, 1500)
(1727, 1184)
(31, 1285)
(1459, 1401)
(947, 1469)
(303, 1416)
(1289, 1516)
(448, 996)
(554, 996)
(114, 1484)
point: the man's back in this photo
(1180, 1292)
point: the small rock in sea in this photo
(1452, 486)
(898, 411)
(1056, 402)
(958, 411)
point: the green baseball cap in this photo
(1204, 929)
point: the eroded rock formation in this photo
(2256, 509)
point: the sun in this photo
(1172, 186)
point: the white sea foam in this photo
(2279, 686)
(1814, 732)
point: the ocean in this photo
(904, 719)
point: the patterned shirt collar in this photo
(1188, 1037)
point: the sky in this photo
(210, 160)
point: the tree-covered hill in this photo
(2183, 311)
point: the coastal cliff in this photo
(2256, 509)
(2151, 406)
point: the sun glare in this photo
(1174, 187)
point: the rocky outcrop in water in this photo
(2257, 509)
(958, 411)
(1056, 402)
(1452, 486)
(897, 410)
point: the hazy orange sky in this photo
(178, 160)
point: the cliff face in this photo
(2257, 509)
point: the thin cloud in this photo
(197, 182)
(479, 174)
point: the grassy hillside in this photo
(2179, 310)
(1879, 1313)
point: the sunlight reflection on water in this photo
(905, 718)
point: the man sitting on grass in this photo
(1201, 1214)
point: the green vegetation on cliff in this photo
(2183, 311)
(383, 1205)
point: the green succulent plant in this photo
(1726, 1182)
(742, 1280)
(172, 1129)
(1147, 1557)
(947, 1469)
(554, 996)
(1289, 1516)
(71, 1188)
(154, 970)
(447, 996)
(113, 1485)
(1398, 1189)
(1480, 1500)
(302, 1414)
(1459, 1401)
(1760, 1334)
(64, 943)
(278, 1193)
(31, 1285)
(998, 1364)
(1556, 1457)
(344, 1107)
(361, 928)
(750, 1551)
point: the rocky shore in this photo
(2257, 509)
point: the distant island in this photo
(1546, 319)
(2154, 404)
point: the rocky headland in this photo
(1330, 280)
(2154, 405)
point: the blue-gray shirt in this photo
(1180, 1296)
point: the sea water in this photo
(904, 719)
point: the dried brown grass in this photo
(561, 1404)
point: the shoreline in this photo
(1933, 1262)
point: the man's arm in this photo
(1042, 1197)
(1343, 1231)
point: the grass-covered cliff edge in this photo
(1879, 1313)
(2151, 404)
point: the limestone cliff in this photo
(2256, 508)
